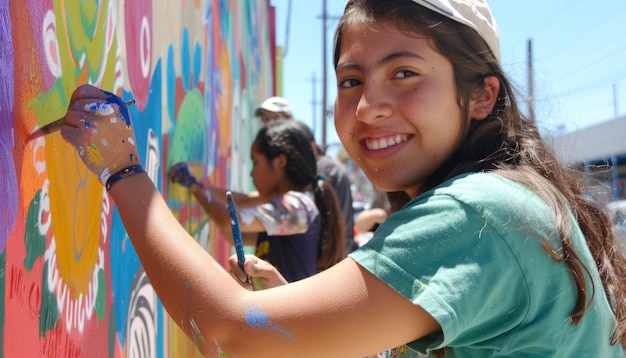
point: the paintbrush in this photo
(57, 125)
(234, 224)
(256, 282)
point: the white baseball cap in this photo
(274, 104)
(473, 13)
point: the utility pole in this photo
(325, 111)
(324, 75)
(531, 90)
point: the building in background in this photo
(601, 151)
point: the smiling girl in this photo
(494, 248)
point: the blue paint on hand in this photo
(122, 106)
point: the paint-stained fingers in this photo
(264, 275)
(88, 101)
(88, 92)
(239, 275)
(83, 111)
(100, 128)
(180, 173)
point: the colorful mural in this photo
(71, 281)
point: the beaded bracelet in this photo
(124, 173)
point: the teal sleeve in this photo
(446, 258)
(471, 253)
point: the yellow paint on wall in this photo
(75, 207)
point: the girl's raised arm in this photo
(344, 311)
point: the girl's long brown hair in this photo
(509, 144)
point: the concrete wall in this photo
(72, 285)
(599, 149)
(601, 140)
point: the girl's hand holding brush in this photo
(99, 126)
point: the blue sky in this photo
(579, 56)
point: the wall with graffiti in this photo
(71, 282)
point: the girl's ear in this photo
(483, 105)
(280, 162)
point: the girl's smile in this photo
(381, 147)
(385, 142)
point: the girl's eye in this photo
(404, 74)
(349, 83)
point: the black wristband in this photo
(124, 173)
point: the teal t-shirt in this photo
(470, 253)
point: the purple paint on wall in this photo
(8, 179)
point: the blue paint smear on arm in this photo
(260, 320)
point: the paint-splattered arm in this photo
(286, 321)
(343, 311)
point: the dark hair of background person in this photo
(335, 173)
(285, 137)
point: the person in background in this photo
(337, 175)
(493, 248)
(366, 223)
(368, 220)
(293, 212)
(272, 109)
(334, 172)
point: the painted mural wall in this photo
(71, 281)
